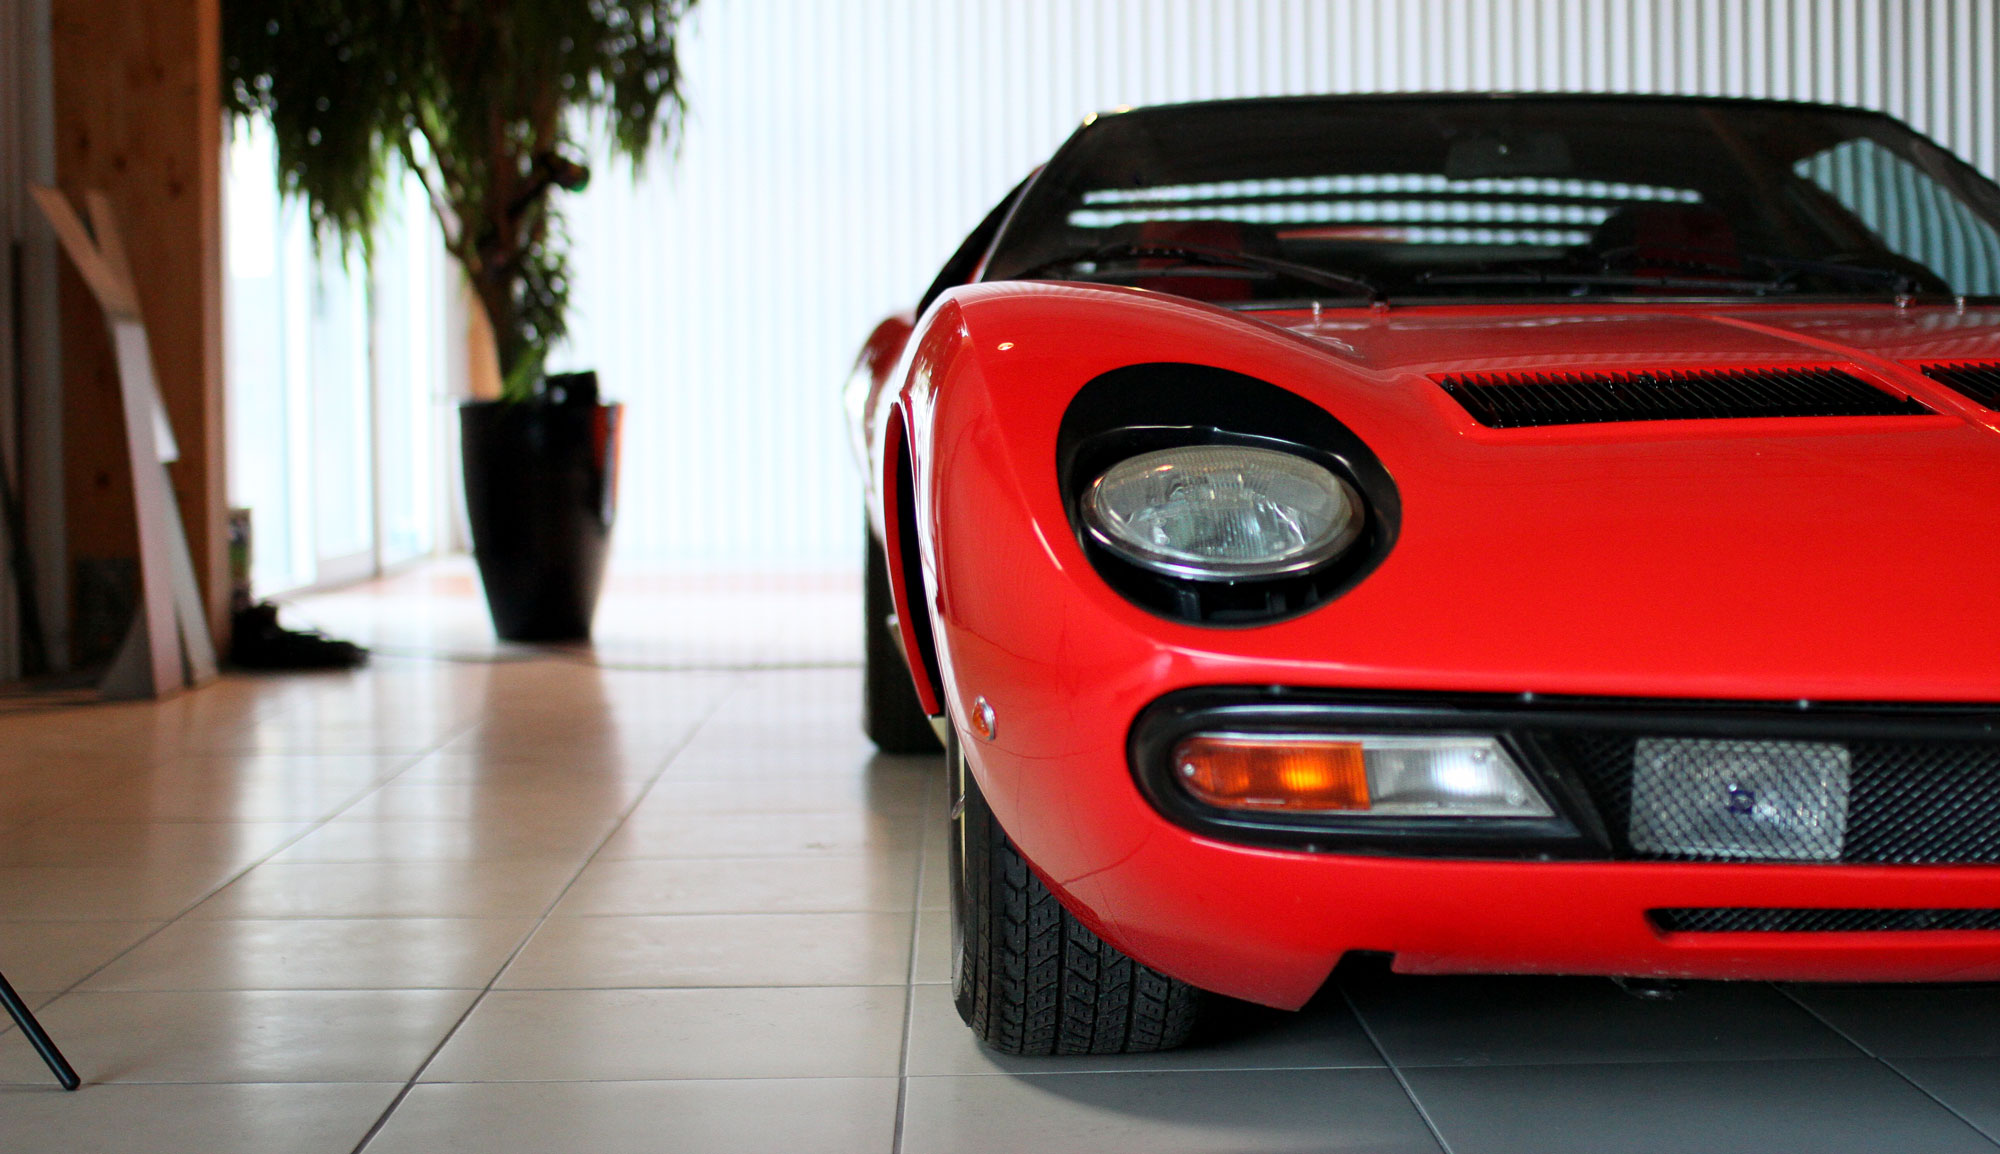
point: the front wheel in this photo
(1028, 976)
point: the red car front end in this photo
(1516, 534)
(1575, 592)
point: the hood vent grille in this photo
(1523, 400)
(1979, 380)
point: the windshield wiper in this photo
(1786, 268)
(1348, 283)
(1608, 280)
(1785, 273)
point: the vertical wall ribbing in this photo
(838, 151)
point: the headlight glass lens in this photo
(1223, 511)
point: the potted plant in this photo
(484, 101)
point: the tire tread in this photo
(1040, 981)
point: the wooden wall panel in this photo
(137, 109)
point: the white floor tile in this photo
(297, 1118)
(1259, 1112)
(618, 1035)
(743, 1116)
(241, 1036)
(310, 954)
(852, 949)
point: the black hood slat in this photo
(1526, 400)
(1978, 380)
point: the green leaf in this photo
(487, 94)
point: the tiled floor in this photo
(666, 899)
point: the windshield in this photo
(1267, 202)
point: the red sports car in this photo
(1518, 534)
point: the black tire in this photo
(1030, 978)
(890, 714)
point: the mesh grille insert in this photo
(1524, 400)
(1977, 380)
(1907, 801)
(1818, 921)
(1729, 799)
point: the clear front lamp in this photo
(1464, 776)
(1385, 775)
(1223, 512)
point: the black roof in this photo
(1470, 96)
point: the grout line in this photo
(232, 879)
(613, 666)
(471, 988)
(1892, 1067)
(1409, 1092)
(640, 796)
(39, 1086)
(525, 653)
(650, 1081)
(910, 973)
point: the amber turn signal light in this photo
(1237, 772)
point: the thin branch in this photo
(436, 142)
(440, 208)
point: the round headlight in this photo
(1223, 512)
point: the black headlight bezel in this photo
(1142, 408)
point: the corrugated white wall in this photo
(836, 152)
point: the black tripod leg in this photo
(44, 1045)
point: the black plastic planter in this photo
(541, 492)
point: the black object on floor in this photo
(541, 494)
(257, 641)
(44, 1045)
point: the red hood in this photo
(1852, 558)
(1833, 558)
